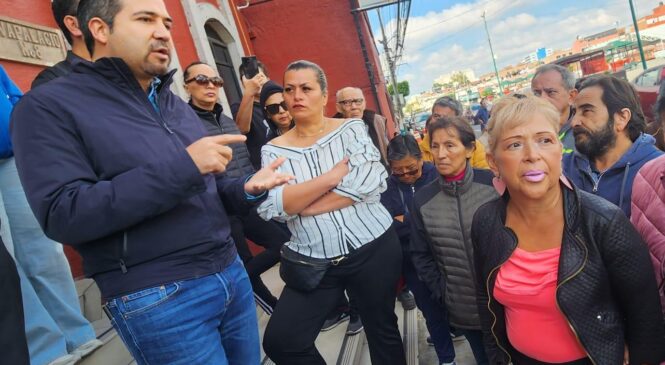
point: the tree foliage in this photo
(402, 88)
(459, 78)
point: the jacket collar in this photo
(642, 148)
(571, 205)
(572, 257)
(116, 70)
(216, 110)
(461, 186)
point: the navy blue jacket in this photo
(616, 183)
(109, 175)
(398, 199)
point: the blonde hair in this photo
(517, 109)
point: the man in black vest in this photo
(64, 12)
(203, 85)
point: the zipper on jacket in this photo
(570, 324)
(489, 307)
(161, 118)
(596, 182)
(123, 266)
(144, 98)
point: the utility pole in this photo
(391, 67)
(496, 71)
(637, 34)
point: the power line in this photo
(448, 19)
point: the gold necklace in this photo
(325, 122)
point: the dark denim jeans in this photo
(436, 315)
(208, 320)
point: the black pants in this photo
(370, 276)
(13, 345)
(270, 236)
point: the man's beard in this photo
(596, 143)
(156, 69)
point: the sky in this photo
(448, 35)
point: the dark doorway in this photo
(224, 65)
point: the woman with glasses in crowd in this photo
(563, 277)
(341, 235)
(410, 174)
(441, 246)
(272, 102)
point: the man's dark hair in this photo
(448, 102)
(185, 72)
(262, 67)
(459, 124)
(62, 8)
(403, 146)
(619, 94)
(106, 10)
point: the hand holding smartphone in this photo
(251, 66)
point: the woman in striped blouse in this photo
(333, 211)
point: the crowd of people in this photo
(542, 244)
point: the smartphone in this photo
(251, 66)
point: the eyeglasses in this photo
(406, 173)
(351, 101)
(519, 96)
(273, 109)
(203, 80)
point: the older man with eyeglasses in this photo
(351, 104)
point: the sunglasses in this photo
(273, 109)
(406, 173)
(203, 80)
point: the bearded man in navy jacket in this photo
(610, 144)
(117, 166)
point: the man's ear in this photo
(72, 25)
(572, 94)
(621, 119)
(100, 30)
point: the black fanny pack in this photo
(302, 272)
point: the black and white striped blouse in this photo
(333, 234)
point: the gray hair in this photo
(567, 77)
(448, 102)
(106, 10)
(339, 92)
(308, 65)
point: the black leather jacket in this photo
(605, 287)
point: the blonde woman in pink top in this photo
(562, 276)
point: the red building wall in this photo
(324, 32)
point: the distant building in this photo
(537, 55)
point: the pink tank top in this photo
(526, 287)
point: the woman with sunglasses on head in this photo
(272, 101)
(410, 174)
(562, 276)
(441, 246)
(341, 235)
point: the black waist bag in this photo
(303, 273)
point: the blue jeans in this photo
(436, 316)
(54, 324)
(207, 320)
